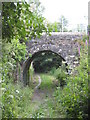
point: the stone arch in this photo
(62, 44)
(27, 63)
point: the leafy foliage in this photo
(60, 73)
(20, 22)
(62, 78)
(55, 27)
(19, 19)
(23, 21)
(74, 96)
(45, 61)
(15, 99)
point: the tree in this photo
(20, 20)
(50, 27)
(54, 27)
(80, 28)
(64, 23)
(45, 61)
(19, 23)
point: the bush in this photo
(15, 100)
(61, 78)
(60, 74)
(9, 104)
(73, 99)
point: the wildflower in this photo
(3, 89)
(11, 96)
(86, 43)
(89, 41)
(17, 91)
(0, 81)
(64, 62)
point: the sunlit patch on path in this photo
(39, 80)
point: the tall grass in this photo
(15, 100)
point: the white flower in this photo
(17, 91)
(3, 89)
(0, 81)
(63, 62)
(11, 96)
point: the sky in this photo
(73, 10)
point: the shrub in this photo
(9, 109)
(15, 100)
(73, 99)
(61, 78)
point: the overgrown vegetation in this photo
(72, 100)
(20, 21)
(69, 97)
(15, 99)
(60, 73)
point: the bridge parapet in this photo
(62, 36)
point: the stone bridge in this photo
(63, 44)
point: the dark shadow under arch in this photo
(28, 63)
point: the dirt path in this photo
(42, 99)
(38, 94)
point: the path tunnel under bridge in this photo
(43, 62)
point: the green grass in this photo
(47, 81)
(47, 108)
